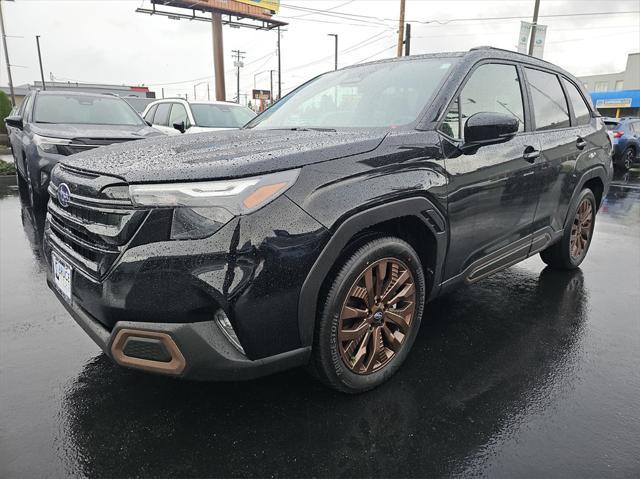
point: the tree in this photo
(5, 109)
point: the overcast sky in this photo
(108, 42)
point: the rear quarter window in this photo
(581, 111)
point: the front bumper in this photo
(252, 269)
(207, 354)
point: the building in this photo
(616, 94)
(21, 91)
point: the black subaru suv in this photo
(316, 234)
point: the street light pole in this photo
(532, 40)
(6, 57)
(279, 67)
(335, 36)
(44, 86)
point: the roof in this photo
(477, 53)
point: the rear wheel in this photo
(628, 157)
(571, 250)
(371, 315)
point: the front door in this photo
(492, 191)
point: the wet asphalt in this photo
(529, 373)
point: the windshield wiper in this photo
(302, 128)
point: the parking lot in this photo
(530, 373)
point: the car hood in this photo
(104, 132)
(224, 154)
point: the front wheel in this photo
(571, 250)
(371, 316)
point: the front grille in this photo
(79, 145)
(93, 229)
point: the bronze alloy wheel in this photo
(581, 229)
(376, 316)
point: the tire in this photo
(570, 251)
(363, 334)
(627, 159)
(35, 199)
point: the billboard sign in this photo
(614, 103)
(273, 5)
(261, 95)
(256, 10)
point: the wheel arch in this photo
(597, 179)
(416, 220)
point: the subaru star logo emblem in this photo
(63, 195)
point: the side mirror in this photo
(14, 121)
(180, 126)
(485, 128)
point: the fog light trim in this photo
(174, 367)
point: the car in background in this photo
(139, 104)
(625, 133)
(176, 115)
(51, 125)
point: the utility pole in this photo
(279, 67)
(532, 40)
(218, 56)
(6, 57)
(335, 36)
(208, 96)
(407, 41)
(239, 56)
(401, 28)
(44, 86)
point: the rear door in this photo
(568, 135)
(492, 191)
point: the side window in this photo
(21, 110)
(549, 104)
(178, 114)
(151, 113)
(162, 114)
(580, 108)
(26, 113)
(492, 87)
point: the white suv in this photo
(175, 115)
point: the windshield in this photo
(139, 104)
(377, 95)
(86, 110)
(220, 116)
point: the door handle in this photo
(580, 143)
(530, 154)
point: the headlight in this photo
(49, 145)
(202, 208)
(238, 197)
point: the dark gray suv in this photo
(51, 125)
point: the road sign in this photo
(261, 95)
